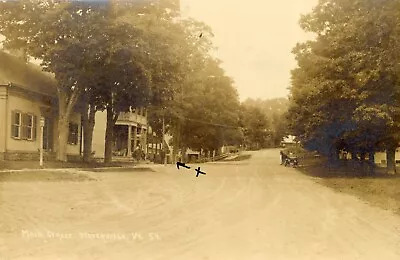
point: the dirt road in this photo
(253, 209)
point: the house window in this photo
(23, 126)
(28, 128)
(48, 134)
(73, 134)
(16, 125)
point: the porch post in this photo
(134, 137)
(152, 145)
(129, 143)
(142, 139)
(145, 142)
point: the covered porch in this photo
(130, 141)
(135, 141)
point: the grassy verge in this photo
(43, 176)
(240, 157)
(378, 189)
(18, 165)
(136, 169)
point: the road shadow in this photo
(347, 169)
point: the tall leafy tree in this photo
(200, 113)
(209, 111)
(256, 127)
(110, 55)
(276, 112)
(62, 35)
(348, 77)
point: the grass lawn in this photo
(378, 189)
(17, 165)
(44, 176)
(9, 170)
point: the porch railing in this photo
(132, 117)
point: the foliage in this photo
(256, 127)
(208, 112)
(113, 55)
(346, 87)
(276, 112)
(64, 35)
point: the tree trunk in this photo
(390, 159)
(109, 136)
(175, 144)
(362, 156)
(333, 156)
(63, 130)
(354, 156)
(364, 164)
(371, 161)
(65, 108)
(88, 126)
(371, 157)
(156, 150)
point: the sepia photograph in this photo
(199, 129)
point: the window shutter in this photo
(13, 123)
(34, 128)
(69, 133)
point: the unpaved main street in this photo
(252, 209)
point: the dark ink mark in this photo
(187, 167)
(201, 34)
(199, 172)
(181, 164)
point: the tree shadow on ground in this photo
(321, 168)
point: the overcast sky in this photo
(254, 40)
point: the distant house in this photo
(289, 141)
(27, 94)
(130, 134)
(380, 157)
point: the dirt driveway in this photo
(253, 209)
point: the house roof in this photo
(25, 75)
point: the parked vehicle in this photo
(291, 161)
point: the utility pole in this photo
(163, 139)
(41, 141)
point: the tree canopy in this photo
(113, 55)
(345, 89)
(275, 111)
